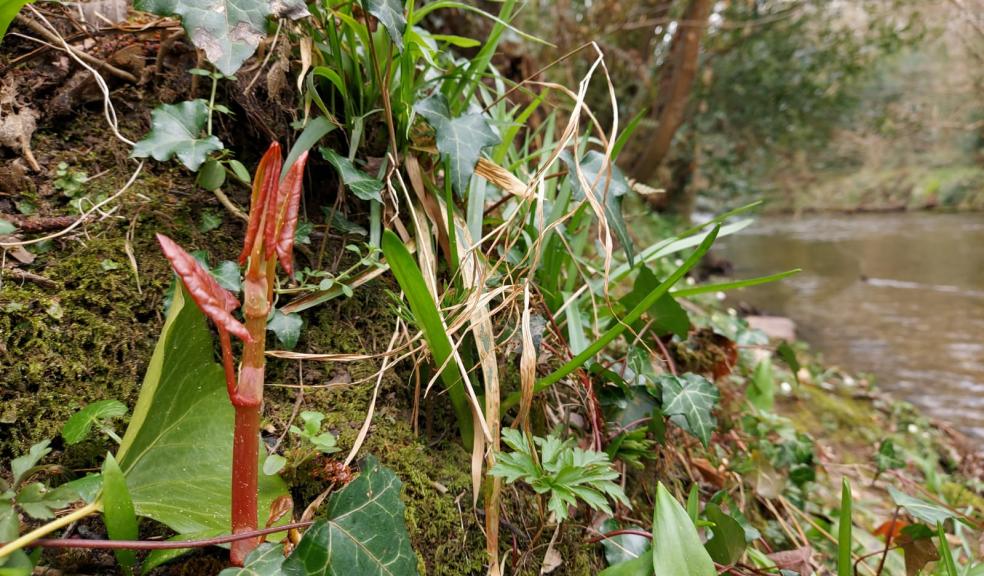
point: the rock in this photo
(775, 327)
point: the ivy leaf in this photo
(228, 276)
(227, 30)
(728, 543)
(459, 140)
(78, 427)
(604, 188)
(177, 451)
(176, 129)
(266, 560)
(921, 509)
(689, 399)
(390, 14)
(365, 532)
(361, 184)
(677, 549)
(287, 328)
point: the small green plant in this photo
(567, 473)
(96, 415)
(311, 442)
(72, 183)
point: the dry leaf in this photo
(797, 560)
(918, 553)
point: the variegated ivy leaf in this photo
(689, 400)
(390, 15)
(459, 140)
(176, 129)
(227, 30)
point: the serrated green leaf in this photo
(689, 400)
(176, 129)
(728, 543)
(365, 532)
(266, 560)
(361, 184)
(227, 30)
(606, 189)
(459, 140)
(21, 465)
(77, 427)
(286, 327)
(390, 14)
(177, 451)
(677, 548)
(118, 512)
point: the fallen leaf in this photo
(797, 560)
(917, 553)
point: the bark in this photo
(675, 87)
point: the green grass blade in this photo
(313, 132)
(616, 330)
(945, 554)
(844, 532)
(429, 321)
(725, 286)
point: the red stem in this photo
(158, 544)
(245, 455)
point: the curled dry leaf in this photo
(264, 185)
(215, 301)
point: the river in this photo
(899, 296)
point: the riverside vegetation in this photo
(479, 368)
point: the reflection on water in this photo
(898, 295)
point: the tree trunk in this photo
(676, 84)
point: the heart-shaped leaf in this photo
(365, 532)
(459, 140)
(177, 451)
(80, 424)
(689, 400)
(176, 129)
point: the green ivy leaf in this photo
(677, 549)
(118, 512)
(361, 184)
(177, 451)
(287, 328)
(459, 140)
(365, 532)
(227, 30)
(227, 275)
(921, 509)
(689, 400)
(266, 560)
(390, 14)
(78, 427)
(610, 190)
(176, 129)
(728, 543)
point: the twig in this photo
(90, 59)
(160, 544)
(228, 205)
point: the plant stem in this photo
(36, 534)
(211, 102)
(245, 456)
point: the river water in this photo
(900, 296)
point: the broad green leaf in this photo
(459, 140)
(365, 532)
(428, 319)
(361, 184)
(8, 11)
(312, 133)
(77, 427)
(21, 465)
(667, 316)
(118, 513)
(287, 328)
(227, 30)
(273, 464)
(211, 176)
(728, 543)
(641, 566)
(921, 509)
(677, 549)
(607, 188)
(158, 557)
(689, 400)
(177, 452)
(844, 538)
(266, 560)
(390, 14)
(176, 129)
(242, 174)
(761, 390)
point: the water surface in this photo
(900, 296)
